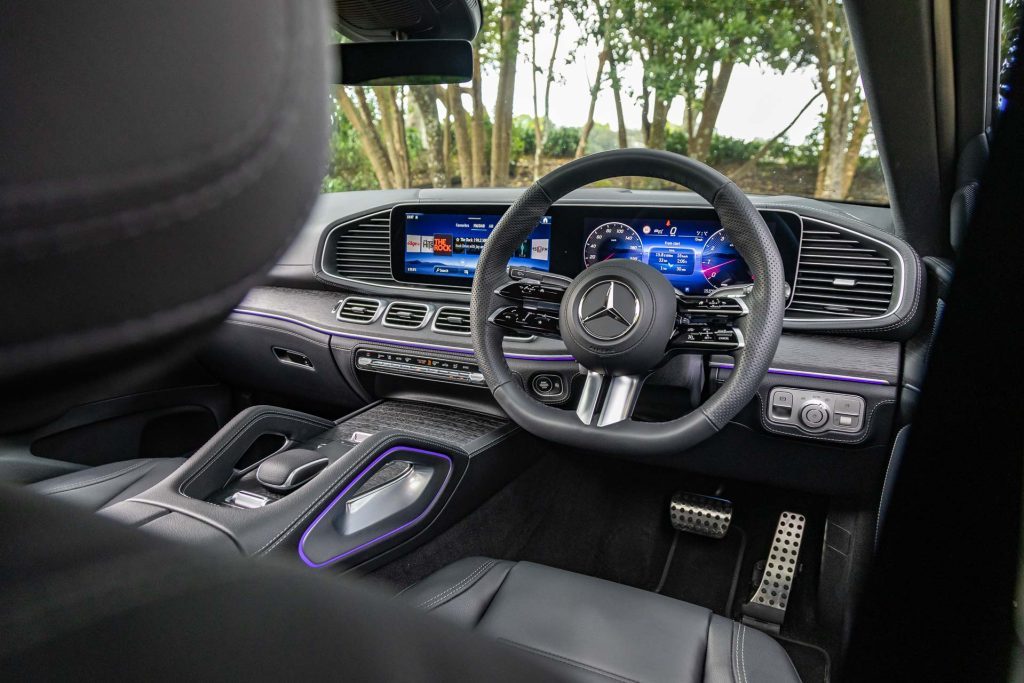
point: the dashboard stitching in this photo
(776, 430)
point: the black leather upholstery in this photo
(97, 487)
(594, 630)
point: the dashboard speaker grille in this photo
(362, 249)
(406, 314)
(357, 309)
(841, 275)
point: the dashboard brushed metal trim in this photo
(811, 374)
(397, 342)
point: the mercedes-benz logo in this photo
(609, 310)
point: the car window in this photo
(768, 92)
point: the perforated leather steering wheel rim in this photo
(762, 327)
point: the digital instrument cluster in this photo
(696, 256)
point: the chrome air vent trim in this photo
(407, 315)
(844, 275)
(359, 309)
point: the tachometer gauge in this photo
(720, 263)
(612, 240)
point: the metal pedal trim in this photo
(771, 599)
(701, 515)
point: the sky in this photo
(758, 104)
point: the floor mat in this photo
(694, 559)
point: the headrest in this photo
(157, 157)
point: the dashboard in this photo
(439, 244)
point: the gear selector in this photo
(290, 469)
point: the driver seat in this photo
(595, 630)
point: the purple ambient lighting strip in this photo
(394, 342)
(305, 534)
(812, 375)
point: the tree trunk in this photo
(368, 138)
(659, 119)
(595, 90)
(645, 121)
(478, 131)
(463, 145)
(620, 117)
(860, 130)
(501, 132)
(433, 135)
(393, 127)
(700, 144)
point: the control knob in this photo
(814, 414)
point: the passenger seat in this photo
(97, 487)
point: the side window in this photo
(1009, 47)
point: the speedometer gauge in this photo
(720, 263)
(612, 240)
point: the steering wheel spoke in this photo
(527, 320)
(614, 396)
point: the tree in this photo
(361, 118)
(431, 133)
(846, 119)
(392, 127)
(508, 33)
(542, 125)
(463, 143)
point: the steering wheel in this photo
(621, 319)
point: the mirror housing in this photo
(405, 62)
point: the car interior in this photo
(578, 429)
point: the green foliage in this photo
(347, 165)
(676, 140)
(561, 142)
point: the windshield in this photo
(768, 92)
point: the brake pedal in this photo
(767, 608)
(701, 515)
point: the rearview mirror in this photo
(405, 62)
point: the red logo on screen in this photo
(443, 245)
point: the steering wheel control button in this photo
(522, 319)
(816, 411)
(531, 291)
(608, 310)
(547, 386)
(814, 414)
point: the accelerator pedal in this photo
(701, 515)
(767, 608)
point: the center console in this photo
(329, 493)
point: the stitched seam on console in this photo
(570, 662)
(885, 480)
(226, 186)
(278, 329)
(238, 432)
(98, 480)
(462, 586)
(775, 429)
(371, 452)
(217, 150)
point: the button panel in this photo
(547, 385)
(816, 411)
(424, 367)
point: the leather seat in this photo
(98, 487)
(594, 630)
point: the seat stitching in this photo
(743, 652)
(453, 591)
(733, 643)
(90, 482)
(570, 662)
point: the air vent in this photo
(455, 320)
(452, 320)
(841, 276)
(406, 314)
(356, 309)
(361, 250)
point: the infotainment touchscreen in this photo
(445, 247)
